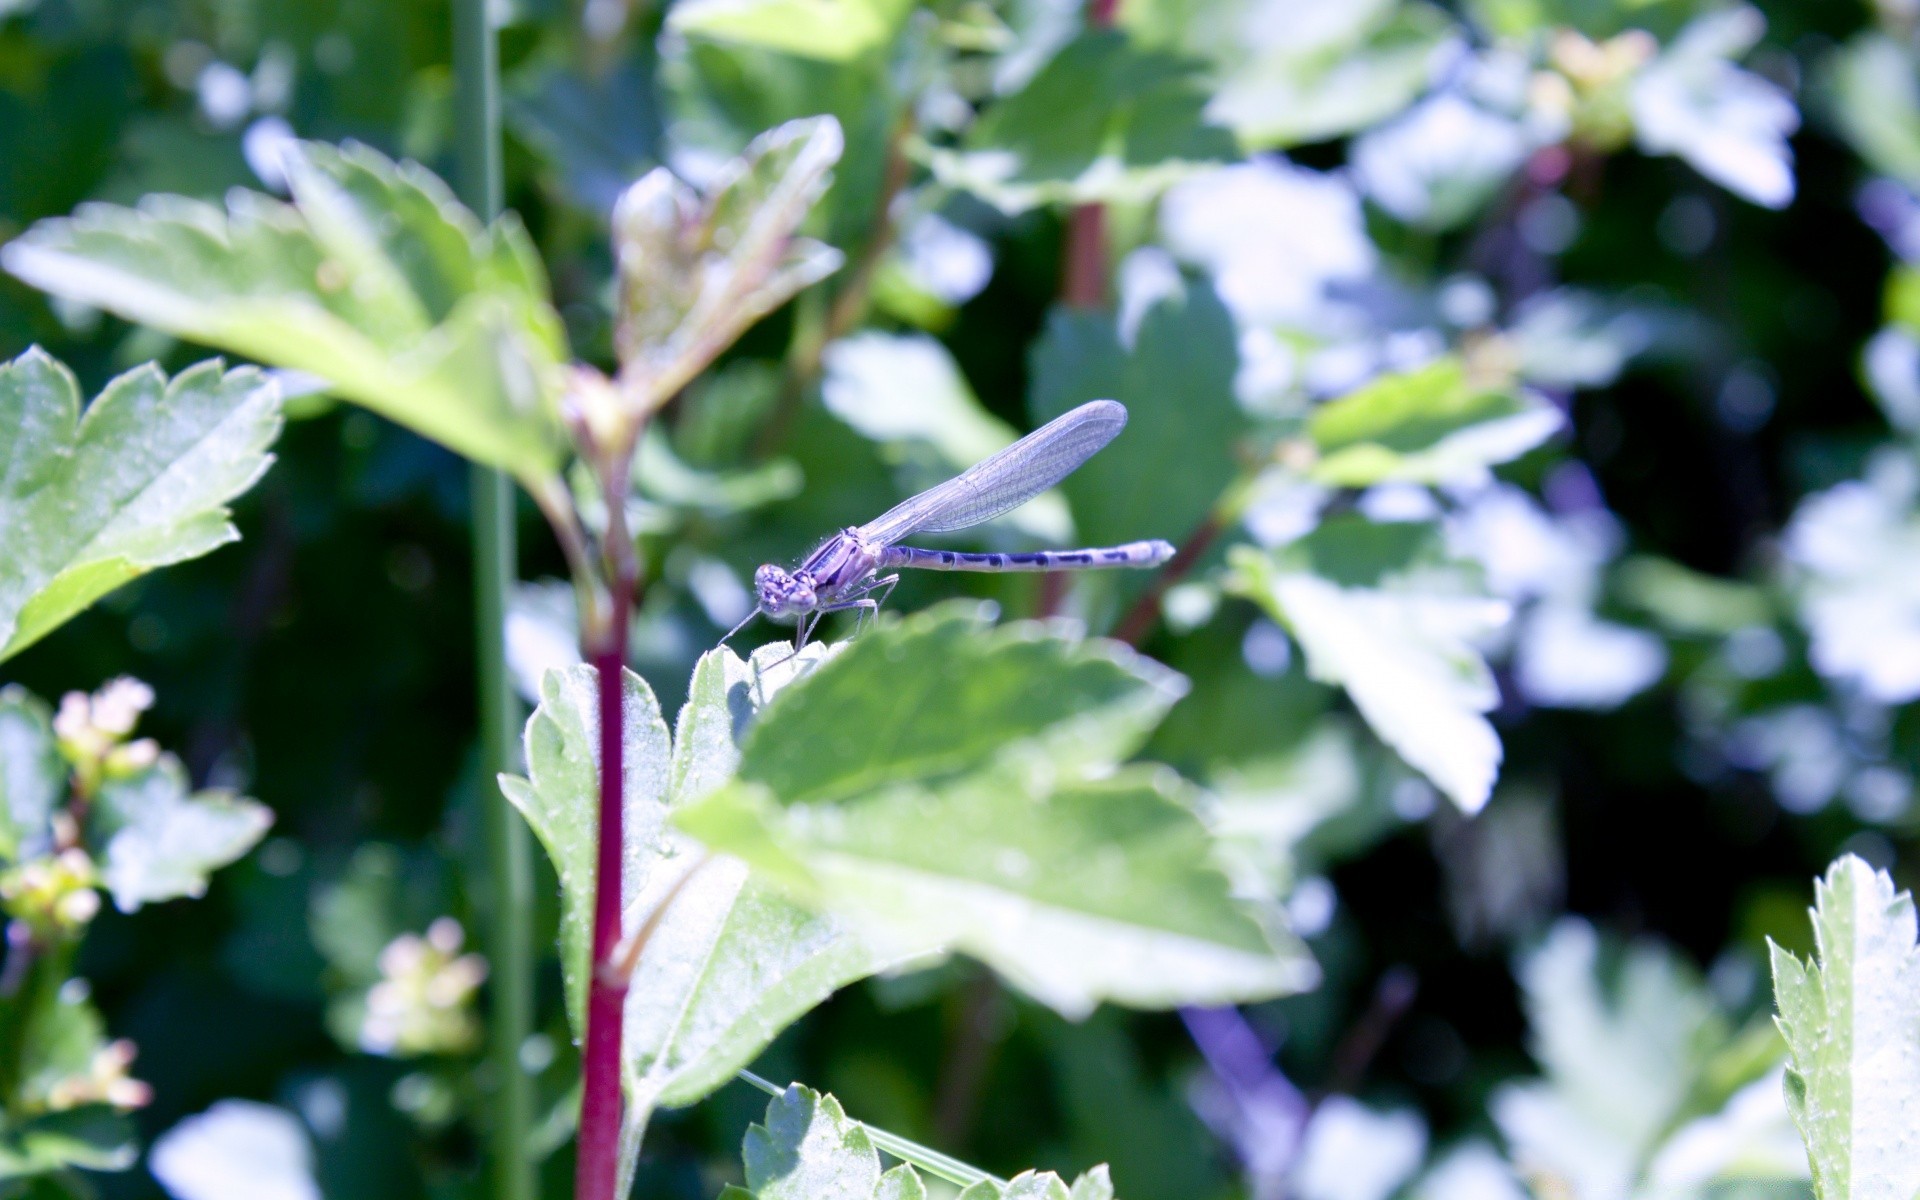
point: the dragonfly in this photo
(845, 573)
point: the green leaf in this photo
(1432, 425)
(1377, 614)
(1044, 1185)
(950, 807)
(62, 1032)
(93, 1137)
(1104, 121)
(33, 776)
(1621, 1050)
(732, 961)
(808, 1150)
(162, 841)
(735, 961)
(374, 279)
(1873, 91)
(560, 798)
(1851, 1016)
(1314, 72)
(1176, 380)
(829, 30)
(906, 393)
(696, 269)
(597, 129)
(140, 481)
(957, 696)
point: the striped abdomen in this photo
(1133, 554)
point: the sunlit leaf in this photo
(1103, 121)
(33, 776)
(1435, 425)
(1378, 613)
(831, 30)
(1300, 71)
(907, 393)
(952, 807)
(1620, 1050)
(1729, 124)
(697, 267)
(1874, 93)
(374, 279)
(1044, 1185)
(731, 961)
(237, 1150)
(560, 799)
(1853, 1068)
(89, 502)
(807, 1149)
(163, 840)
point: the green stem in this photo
(509, 934)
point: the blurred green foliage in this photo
(1533, 386)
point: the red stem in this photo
(598, 1151)
(1084, 282)
(1145, 613)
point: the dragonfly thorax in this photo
(781, 594)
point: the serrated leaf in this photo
(735, 961)
(1399, 635)
(1103, 121)
(1621, 1051)
(162, 840)
(949, 807)
(1176, 379)
(956, 696)
(807, 1149)
(33, 776)
(375, 280)
(732, 962)
(1044, 1185)
(829, 30)
(89, 502)
(696, 269)
(560, 798)
(1431, 425)
(1853, 1040)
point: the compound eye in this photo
(767, 576)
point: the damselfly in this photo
(844, 573)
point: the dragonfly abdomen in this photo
(1132, 554)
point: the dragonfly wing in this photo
(1007, 479)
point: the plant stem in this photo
(1083, 281)
(597, 1159)
(1139, 620)
(509, 935)
(596, 1165)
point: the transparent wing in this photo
(1005, 480)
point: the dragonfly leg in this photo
(862, 606)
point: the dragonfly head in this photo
(781, 594)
